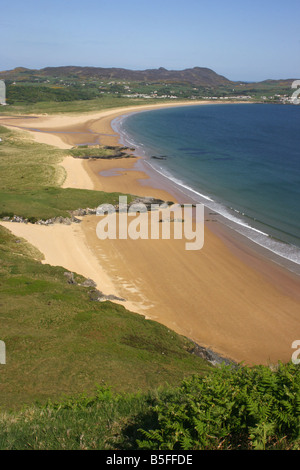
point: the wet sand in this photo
(227, 296)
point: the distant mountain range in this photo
(200, 76)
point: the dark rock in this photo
(89, 283)
(210, 356)
(98, 296)
(70, 277)
(110, 297)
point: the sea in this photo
(241, 161)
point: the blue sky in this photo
(242, 40)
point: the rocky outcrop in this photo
(98, 296)
(210, 356)
(94, 293)
(143, 201)
(94, 152)
(33, 220)
(148, 201)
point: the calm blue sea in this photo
(240, 160)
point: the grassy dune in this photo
(31, 178)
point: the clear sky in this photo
(247, 40)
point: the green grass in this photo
(25, 164)
(239, 408)
(99, 421)
(105, 152)
(59, 341)
(50, 202)
(31, 178)
(77, 106)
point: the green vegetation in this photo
(61, 341)
(229, 408)
(75, 106)
(25, 164)
(79, 89)
(33, 94)
(31, 178)
(85, 151)
(49, 202)
(33, 99)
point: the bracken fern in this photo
(242, 407)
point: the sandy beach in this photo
(227, 296)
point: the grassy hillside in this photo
(73, 106)
(229, 409)
(61, 341)
(31, 178)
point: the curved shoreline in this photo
(282, 253)
(248, 253)
(226, 297)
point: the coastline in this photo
(227, 297)
(281, 251)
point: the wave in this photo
(236, 222)
(285, 250)
(229, 215)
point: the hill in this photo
(91, 87)
(198, 75)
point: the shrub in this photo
(256, 408)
